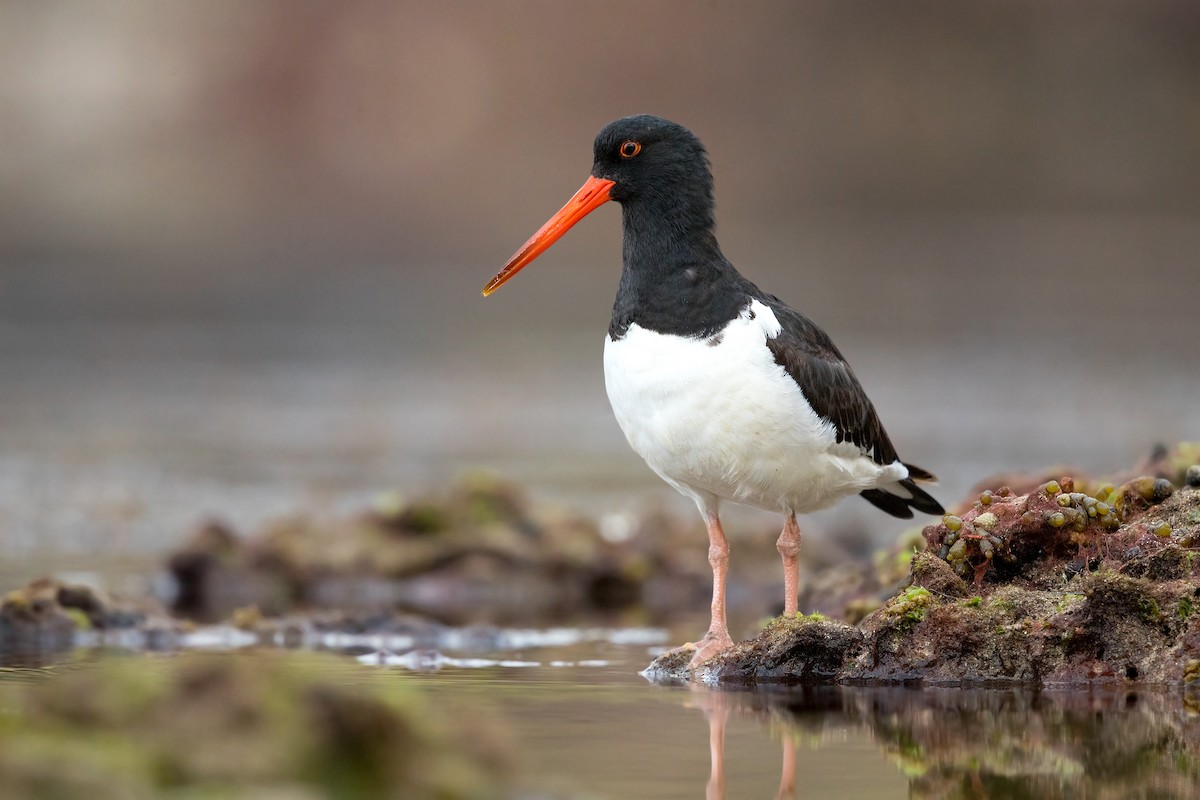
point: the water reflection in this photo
(980, 743)
(584, 724)
(717, 707)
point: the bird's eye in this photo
(630, 149)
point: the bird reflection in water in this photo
(717, 706)
(967, 743)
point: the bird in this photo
(726, 392)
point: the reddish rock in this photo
(1053, 586)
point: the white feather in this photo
(718, 418)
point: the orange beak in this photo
(592, 195)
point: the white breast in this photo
(719, 417)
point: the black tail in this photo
(901, 506)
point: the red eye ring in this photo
(629, 149)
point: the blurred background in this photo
(241, 244)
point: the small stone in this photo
(1192, 478)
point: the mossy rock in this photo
(1056, 587)
(202, 724)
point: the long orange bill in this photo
(592, 195)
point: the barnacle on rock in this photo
(1141, 493)
(1066, 581)
(958, 552)
(1192, 476)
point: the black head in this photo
(658, 171)
(652, 159)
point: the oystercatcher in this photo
(727, 393)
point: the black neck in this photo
(675, 279)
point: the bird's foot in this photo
(707, 647)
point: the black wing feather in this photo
(810, 357)
(830, 386)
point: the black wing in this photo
(810, 357)
(828, 383)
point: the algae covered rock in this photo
(199, 725)
(45, 614)
(1064, 587)
(1055, 586)
(805, 649)
(480, 551)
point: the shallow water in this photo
(120, 435)
(578, 721)
(593, 727)
(605, 732)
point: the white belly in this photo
(719, 418)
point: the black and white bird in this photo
(727, 393)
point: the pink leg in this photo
(787, 776)
(715, 789)
(788, 545)
(717, 638)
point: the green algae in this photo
(200, 724)
(1184, 608)
(911, 605)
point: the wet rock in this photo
(482, 551)
(937, 576)
(45, 614)
(278, 722)
(795, 648)
(1167, 463)
(799, 648)
(31, 617)
(1055, 586)
(1040, 536)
